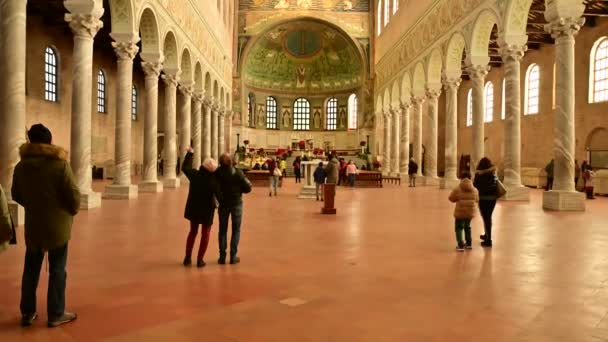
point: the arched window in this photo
(331, 110)
(598, 77)
(250, 107)
(532, 89)
(271, 113)
(301, 114)
(50, 74)
(395, 6)
(353, 115)
(503, 113)
(101, 92)
(379, 19)
(134, 103)
(489, 109)
(386, 12)
(470, 108)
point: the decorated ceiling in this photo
(303, 56)
(295, 5)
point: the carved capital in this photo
(564, 27)
(208, 101)
(478, 72)
(125, 51)
(433, 94)
(171, 79)
(83, 25)
(405, 105)
(186, 90)
(451, 83)
(387, 114)
(512, 53)
(418, 100)
(198, 98)
(152, 69)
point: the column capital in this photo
(432, 94)
(512, 52)
(125, 50)
(478, 72)
(450, 83)
(387, 114)
(83, 25)
(152, 69)
(198, 97)
(171, 79)
(405, 105)
(564, 27)
(418, 100)
(208, 101)
(185, 89)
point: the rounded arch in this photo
(516, 17)
(198, 78)
(433, 69)
(170, 51)
(387, 100)
(419, 80)
(406, 88)
(149, 32)
(379, 104)
(227, 100)
(216, 91)
(186, 66)
(597, 84)
(597, 139)
(122, 16)
(208, 84)
(453, 55)
(221, 99)
(395, 95)
(480, 36)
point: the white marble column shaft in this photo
(450, 178)
(150, 181)
(417, 132)
(404, 152)
(214, 131)
(478, 73)
(197, 101)
(430, 168)
(228, 135)
(221, 132)
(84, 28)
(387, 143)
(185, 113)
(396, 140)
(170, 179)
(207, 128)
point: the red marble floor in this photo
(383, 269)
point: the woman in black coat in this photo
(201, 204)
(485, 182)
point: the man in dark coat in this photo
(233, 184)
(44, 185)
(412, 170)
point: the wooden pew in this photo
(368, 179)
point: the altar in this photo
(308, 190)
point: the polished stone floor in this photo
(383, 269)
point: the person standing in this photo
(283, 164)
(6, 224)
(233, 184)
(589, 177)
(297, 169)
(485, 182)
(466, 197)
(319, 176)
(412, 170)
(584, 168)
(44, 185)
(274, 174)
(577, 172)
(332, 170)
(549, 171)
(200, 206)
(351, 173)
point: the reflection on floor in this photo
(383, 269)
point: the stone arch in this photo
(208, 84)
(433, 69)
(150, 34)
(186, 67)
(419, 82)
(170, 51)
(227, 99)
(122, 16)
(222, 96)
(480, 37)
(216, 91)
(453, 55)
(198, 78)
(379, 104)
(406, 88)
(387, 100)
(597, 139)
(395, 95)
(516, 17)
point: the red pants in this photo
(204, 240)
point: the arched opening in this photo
(353, 112)
(301, 115)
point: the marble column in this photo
(214, 131)
(170, 179)
(430, 168)
(386, 169)
(417, 101)
(564, 195)
(121, 187)
(150, 181)
(84, 27)
(396, 140)
(207, 128)
(404, 152)
(450, 179)
(477, 74)
(221, 131)
(228, 136)
(185, 114)
(511, 57)
(197, 101)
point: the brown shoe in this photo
(67, 317)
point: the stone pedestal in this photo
(171, 183)
(90, 200)
(516, 193)
(308, 190)
(428, 181)
(448, 183)
(563, 200)
(120, 192)
(151, 187)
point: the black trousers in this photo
(486, 208)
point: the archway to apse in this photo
(303, 58)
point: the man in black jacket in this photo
(233, 184)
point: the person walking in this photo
(283, 165)
(297, 170)
(275, 174)
(233, 184)
(200, 206)
(7, 231)
(351, 173)
(412, 170)
(486, 183)
(44, 185)
(589, 177)
(319, 176)
(466, 197)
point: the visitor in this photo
(466, 197)
(297, 169)
(331, 170)
(6, 224)
(257, 166)
(589, 177)
(412, 170)
(44, 185)
(200, 206)
(351, 173)
(283, 165)
(275, 173)
(319, 176)
(342, 179)
(584, 168)
(549, 171)
(233, 184)
(264, 166)
(577, 172)
(363, 168)
(485, 182)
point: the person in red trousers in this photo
(201, 204)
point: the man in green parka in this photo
(44, 185)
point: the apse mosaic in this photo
(318, 5)
(303, 56)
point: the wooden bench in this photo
(259, 178)
(368, 179)
(391, 180)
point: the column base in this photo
(448, 183)
(516, 193)
(171, 183)
(308, 192)
(90, 200)
(563, 200)
(430, 181)
(17, 213)
(150, 187)
(120, 192)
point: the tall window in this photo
(271, 113)
(101, 92)
(379, 19)
(599, 71)
(386, 12)
(250, 107)
(50, 74)
(470, 108)
(332, 114)
(503, 113)
(395, 6)
(352, 112)
(134, 103)
(489, 105)
(301, 114)
(532, 89)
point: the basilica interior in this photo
(129, 87)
